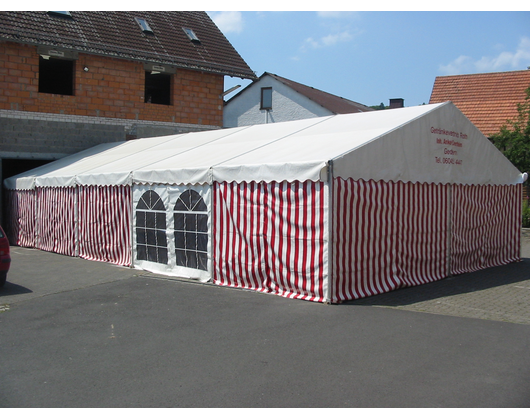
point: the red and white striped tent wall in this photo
(326, 209)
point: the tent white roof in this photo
(429, 143)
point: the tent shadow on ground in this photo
(450, 286)
(11, 289)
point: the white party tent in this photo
(326, 209)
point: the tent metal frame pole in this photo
(211, 210)
(330, 207)
(449, 228)
(131, 224)
(76, 220)
(36, 234)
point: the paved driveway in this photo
(76, 333)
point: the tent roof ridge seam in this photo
(275, 140)
(193, 148)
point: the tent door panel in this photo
(171, 230)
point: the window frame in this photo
(144, 25)
(151, 208)
(191, 35)
(60, 14)
(262, 101)
(190, 205)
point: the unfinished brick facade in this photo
(110, 88)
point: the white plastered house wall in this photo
(287, 105)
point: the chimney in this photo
(397, 103)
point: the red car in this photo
(5, 258)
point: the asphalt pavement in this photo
(77, 333)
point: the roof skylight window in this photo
(191, 35)
(144, 25)
(61, 14)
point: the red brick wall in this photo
(112, 88)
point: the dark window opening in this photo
(56, 76)
(266, 98)
(151, 239)
(157, 88)
(191, 231)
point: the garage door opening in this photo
(12, 167)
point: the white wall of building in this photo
(287, 105)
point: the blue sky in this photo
(370, 57)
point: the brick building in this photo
(71, 80)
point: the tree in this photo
(514, 137)
(378, 107)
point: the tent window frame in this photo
(151, 237)
(266, 98)
(191, 231)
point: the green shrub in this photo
(526, 214)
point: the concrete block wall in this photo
(24, 137)
(26, 134)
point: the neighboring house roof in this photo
(118, 34)
(488, 100)
(333, 103)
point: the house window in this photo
(266, 98)
(151, 239)
(144, 26)
(157, 88)
(191, 231)
(56, 75)
(191, 35)
(61, 14)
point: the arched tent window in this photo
(151, 240)
(191, 231)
